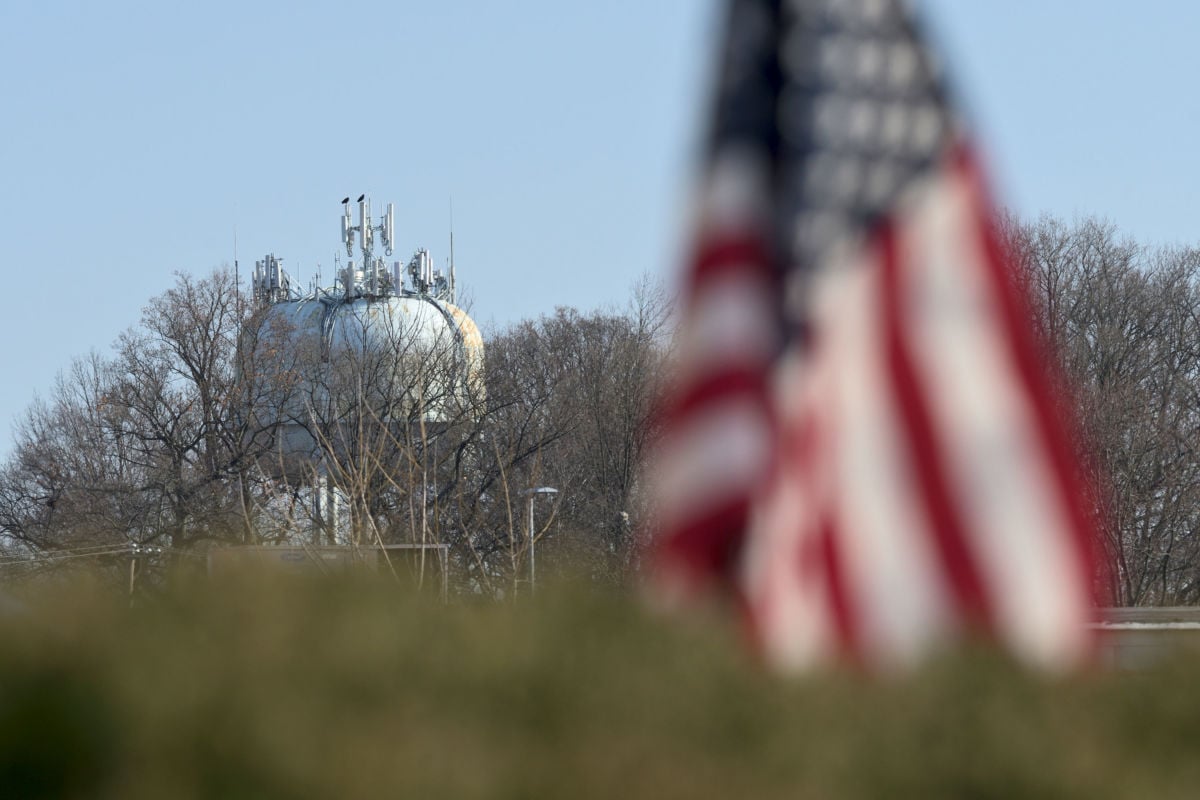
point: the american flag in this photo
(864, 442)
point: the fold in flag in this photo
(863, 441)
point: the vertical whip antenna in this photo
(237, 277)
(453, 299)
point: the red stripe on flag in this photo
(743, 251)
(1038, 381)
(946, 526)
(707, 545)
(719, 386)
(844, 616)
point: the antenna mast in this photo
(237, 276)
(453, 297)
(368, 274)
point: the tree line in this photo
(217, 422)
(174, 439)
(1121, 318)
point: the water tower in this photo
(382, 341)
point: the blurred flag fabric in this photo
(863, 442)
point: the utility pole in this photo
(546, 490)
(136, 553)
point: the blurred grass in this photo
(299, 689)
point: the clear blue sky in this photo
(137, 136)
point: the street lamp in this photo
(546, 490)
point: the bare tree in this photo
(214, 420)
(1122, 319)
(147, 447)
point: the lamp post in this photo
(546, 490)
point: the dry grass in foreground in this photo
(321, 690)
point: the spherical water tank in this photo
(326, 362)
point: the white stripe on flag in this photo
(735, 194)
(893, 579)
(716, 454)
(1001, 473)
(789, 603)
(727, 325)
